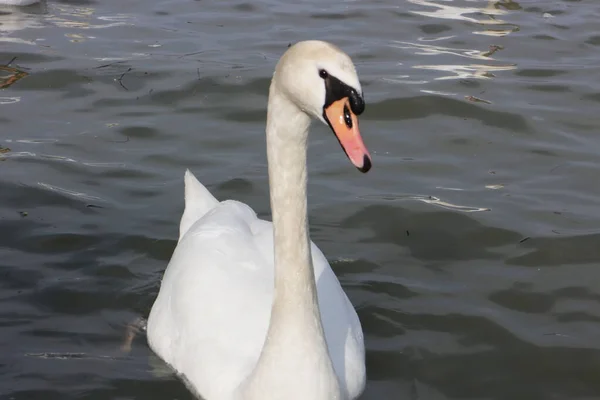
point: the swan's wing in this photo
(343, 331)
(211, 315)
(198, 201)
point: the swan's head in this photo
(321, 80)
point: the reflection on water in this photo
(475, 71)
(40, 15)
(432, 45)
(13, 19)
(458, 12)
(84, 18)
(433, 200)
(429, 49)
(469, 71)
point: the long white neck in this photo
(295, 360)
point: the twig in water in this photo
(557, 167)
(11, 61)
(110, 64)
(121, 78)
(191, 54)
(127, 139)
(477, 100)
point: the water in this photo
(470, 249)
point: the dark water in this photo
(471, 250)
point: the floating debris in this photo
(3, 150)
(134, 328)
(10, 75)
(120, 80)
(493, 48)
(477, 100)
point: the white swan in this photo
(250, 309)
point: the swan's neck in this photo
(295, 355)
(287, 133)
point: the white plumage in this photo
(217, 319)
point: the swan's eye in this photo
(323, 74)
(347, 117)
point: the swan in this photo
(248, 309)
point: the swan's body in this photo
(250, 309)
(213, 326)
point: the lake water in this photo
(471, 250)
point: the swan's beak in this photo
(344, 124)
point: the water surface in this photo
(470, 250)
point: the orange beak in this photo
(344, 124)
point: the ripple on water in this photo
(418, 107)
